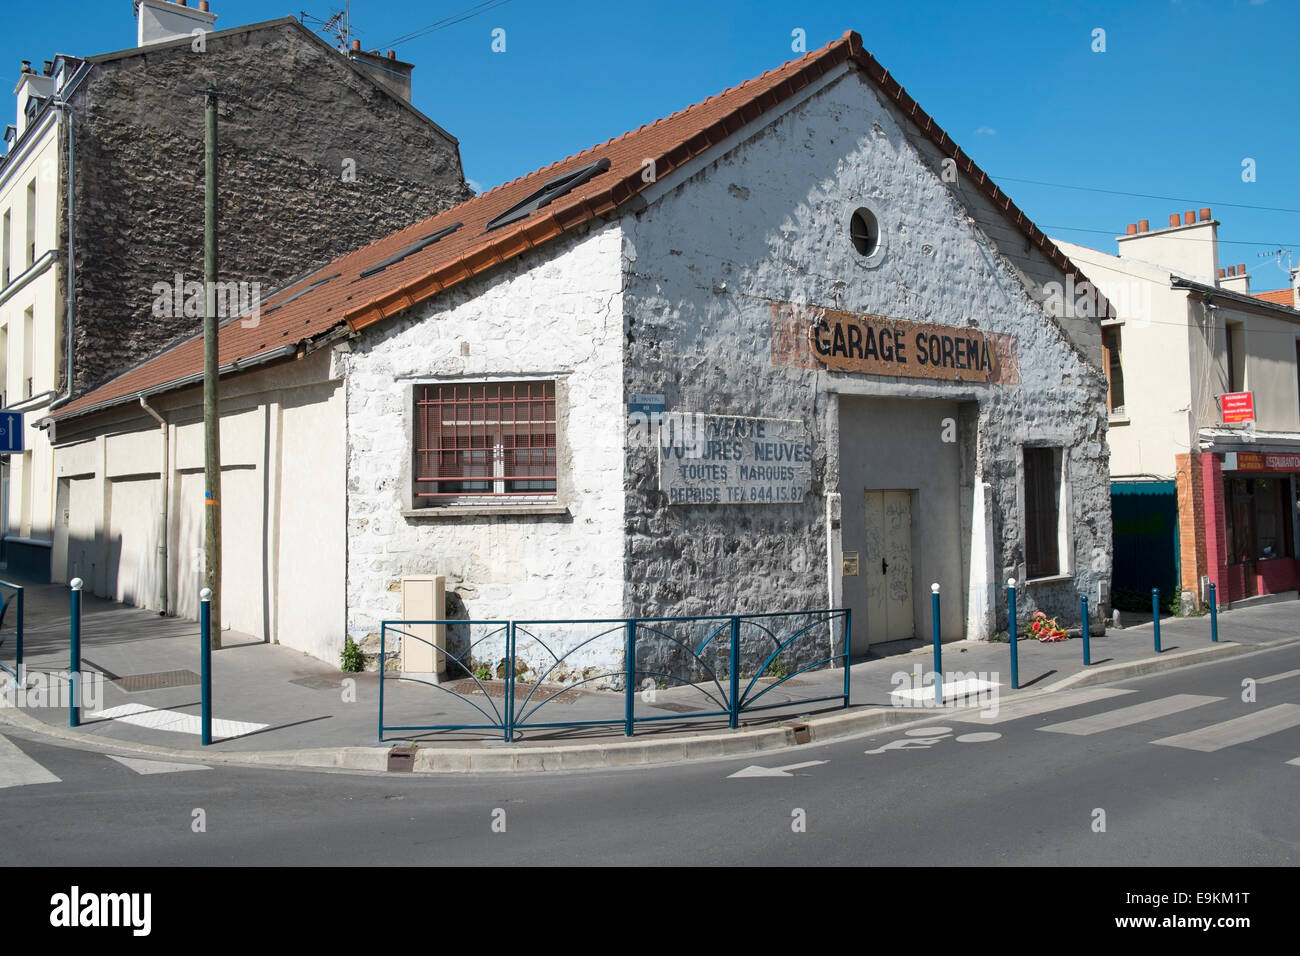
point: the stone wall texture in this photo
(292, 112)
(697, 303)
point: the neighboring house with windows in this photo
(101, 203)
(31, 303)
(764, 354)
(1204, 398)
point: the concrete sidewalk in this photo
(282, 708)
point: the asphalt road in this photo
(1016, 793)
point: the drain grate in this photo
(133, 683)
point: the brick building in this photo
(320, 152)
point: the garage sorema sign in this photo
(874, 345)
(723, 460)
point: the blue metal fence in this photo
(11, 628)
(461, 666)
(699, 662)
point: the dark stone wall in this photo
(292, 112)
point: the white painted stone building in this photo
(805, 266)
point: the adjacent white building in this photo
(1204, 400)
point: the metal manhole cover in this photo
(133, 683)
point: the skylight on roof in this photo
(550, 192)
(301, 292)
(409, 250)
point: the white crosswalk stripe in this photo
(19, 770)
(157, 718)
(1276, 677)
(1239, 730)
(1126, 716)
(1016, 709)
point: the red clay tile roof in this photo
(1278, 296)
(670, 142)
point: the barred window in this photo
(484, 439)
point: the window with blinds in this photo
(484, 439)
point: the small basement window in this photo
(864, 231)
(553, 190)
(485, 439)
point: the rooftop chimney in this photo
(1189, 246)
(160, 21)
(388, 71)
(1237, 279)
(31, 86)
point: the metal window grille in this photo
(484, 439)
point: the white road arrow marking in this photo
(155, 766)
(756, 771)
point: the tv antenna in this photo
(1278, 254)
(338, 26)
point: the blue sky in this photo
(1185, 91)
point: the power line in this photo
(1120, 192)
(448, 21)
(1233, 242)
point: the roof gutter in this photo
(1209, 292)
(239, 365)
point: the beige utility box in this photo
(424, 599)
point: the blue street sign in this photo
(11, 431)
(645, 405)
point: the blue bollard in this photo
(848, 641)
(205, 666)
(1011, 606)
(1213, 614)
(629, 680)
(1155, 614)
(733, 684)
(938, 645)
(18, 641)
(1086, 658)
(74, 665)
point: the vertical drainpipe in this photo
(70, 306)
(162, 513)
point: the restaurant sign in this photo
(1259, 461)
(1237, 407)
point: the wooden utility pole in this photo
(211, 406)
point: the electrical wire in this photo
(448, 21)
(1120, 192)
